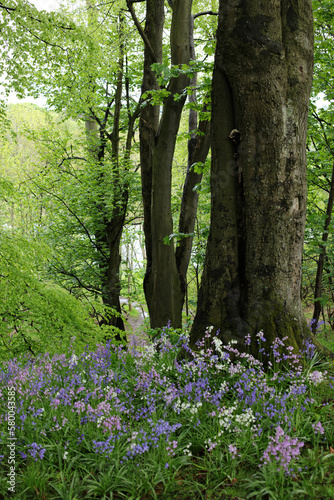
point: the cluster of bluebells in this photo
(318, 428)
(308, 349)
(106, 446)
(282, 449)
(36, 451)
(319, 324)
(143, 399)
(233, 450)
(140, 442)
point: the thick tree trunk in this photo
(261, 85)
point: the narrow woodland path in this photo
(134, 325)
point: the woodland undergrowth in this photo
(143, 422)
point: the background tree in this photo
(80, 79)
(318, 252)
(35, 313)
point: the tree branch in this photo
(42, 40)
(207, 13)
(64, 272)
(14, 9)
(98, 247)
(141, 31)
(8, 9)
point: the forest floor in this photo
(135, 325)
(162, 427)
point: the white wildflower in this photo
(73, 361)
(187, 451)
(316, 377)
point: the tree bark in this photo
(165, 302)
(165, 279)
(109, 233)
(149, 123)
(198, 149)
(261, 86)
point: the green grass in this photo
(327, 340)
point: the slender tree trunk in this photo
(198, 149)
(111, 287)
(322, 256)
(149, 124)
(162, 284)
(109, 232)
(108, 235)
(261, 86)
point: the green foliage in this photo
(65, 56)
(323, 50)
(36, 311)
(166, 73)
(6, 189)
(36, 316)
(320, 166)
(176, 237)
